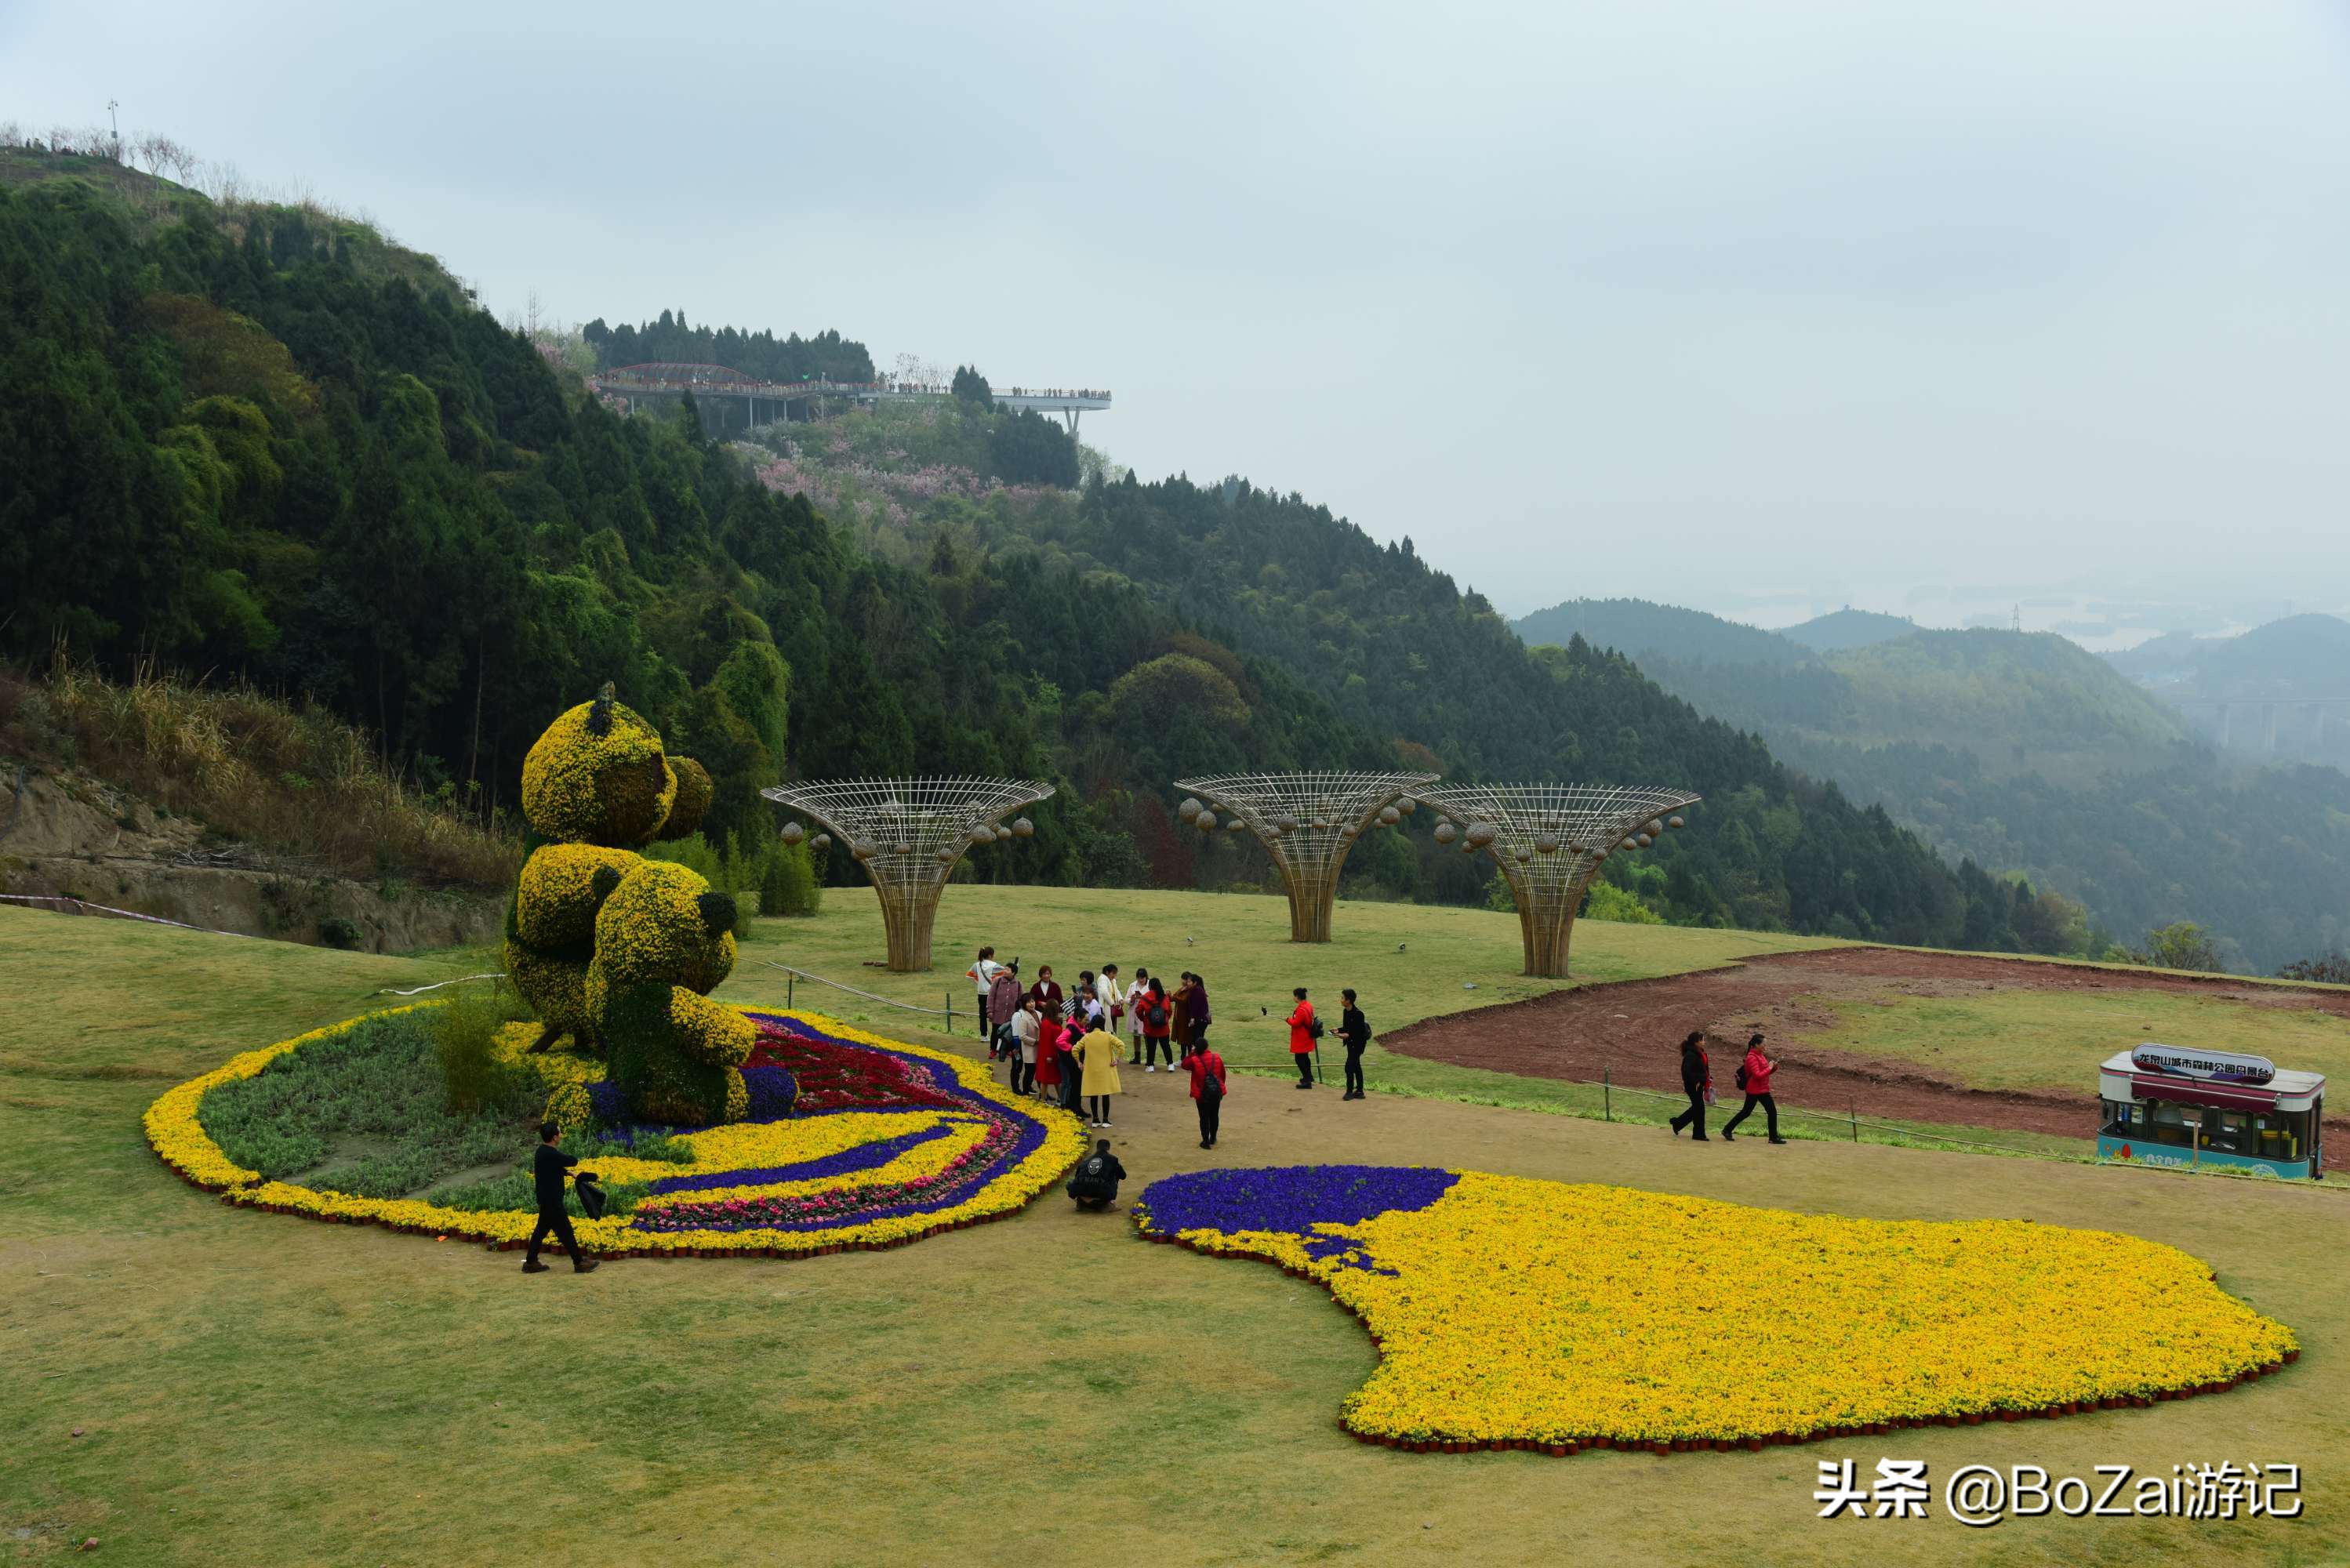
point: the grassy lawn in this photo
(2054, 1039)
(1407, 961)
(252, 1388)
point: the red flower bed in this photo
(842, 1077)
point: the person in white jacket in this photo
(1131, 997)
(1112, 997)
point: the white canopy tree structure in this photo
(1550, 840)
(907, 834)
(1306, 822)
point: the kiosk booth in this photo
(2162, 1104)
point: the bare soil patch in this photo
(1631, 1032)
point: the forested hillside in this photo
(825, 356)
(238, 443)
(2030, 756)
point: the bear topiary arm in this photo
(694, 789)
(557, 901)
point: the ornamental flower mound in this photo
(868, 1143)
(1513, 1313)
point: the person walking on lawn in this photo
(1354, 1033)
(547, 1164)
(1303, 1030)
(1697, 1083)
(1208, 1085)
(1754, 1077)
(1097, 1060)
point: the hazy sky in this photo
(1699, 301)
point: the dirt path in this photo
(1628, 1031)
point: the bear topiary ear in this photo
(606, 878)
(717, 913)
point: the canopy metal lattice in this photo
(1306, 822)
(1549, 840)
(907, 834)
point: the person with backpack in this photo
(1697, 1083)
(547, 1164)
(1354, 1033)
(1097, 1059)
(1754, 1078)
(1305, 1029)
(1208, 1086)
(1094, 1184)
(1134, 995)
(1157, 1027)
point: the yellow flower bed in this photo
(174, 1132)
(1521, 1313)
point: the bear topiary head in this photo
(662, 922)
(598, 776)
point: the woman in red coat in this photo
(1048, 1049)
(1301, 1038)
(1756, 1070)
(1207, 1092)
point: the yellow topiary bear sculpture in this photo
(663, 942)
(595, 785)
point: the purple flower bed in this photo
(1293, 1200)
(772, 1091)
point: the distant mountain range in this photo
(2032, 755)
(2280, 690)
(2016, 700)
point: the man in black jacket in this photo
(547, 1164)
(1094, 1184)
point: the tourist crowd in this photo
(1067, 1046)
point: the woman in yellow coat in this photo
(1097, 1053)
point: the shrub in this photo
(334, 931)
(473, 1077)
(787, 885)
(1607, 902)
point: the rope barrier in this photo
(420, 990)
(884, 1001)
